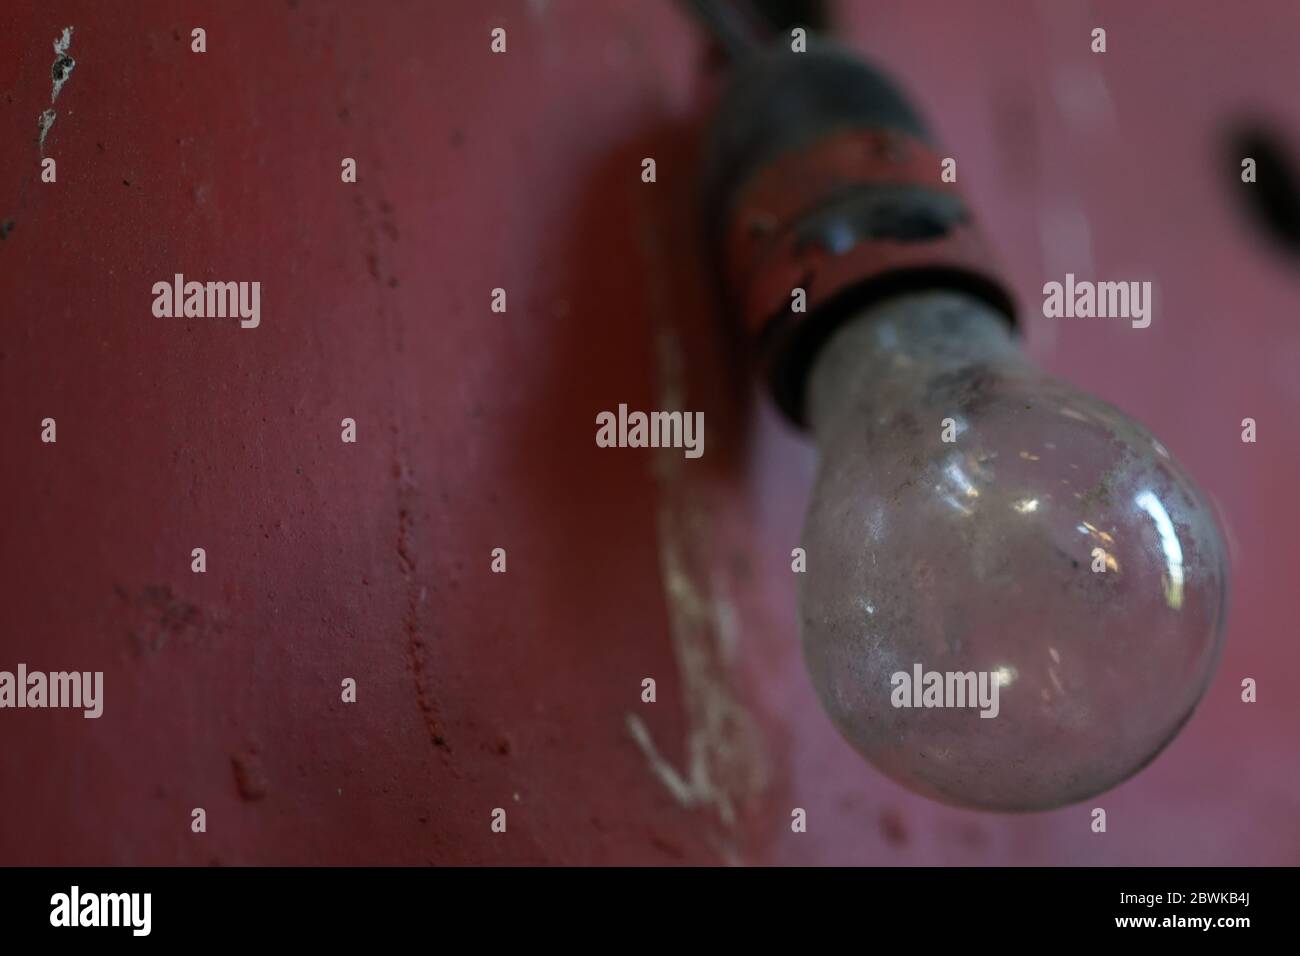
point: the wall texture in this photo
(522, 691)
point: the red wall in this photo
(479, 690)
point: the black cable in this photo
(734, 28)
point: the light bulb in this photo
(1050, 545)
(1013, 597)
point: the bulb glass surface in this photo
(1052, 545)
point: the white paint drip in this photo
(64, 65)
(724, 753)
(681, 791)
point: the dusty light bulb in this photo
(1014, 597)
(1052, 548)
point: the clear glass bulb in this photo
(1053, 545)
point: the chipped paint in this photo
(43, 123)
(63, 64)
(60, 70)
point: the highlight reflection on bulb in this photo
(1053, 545)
